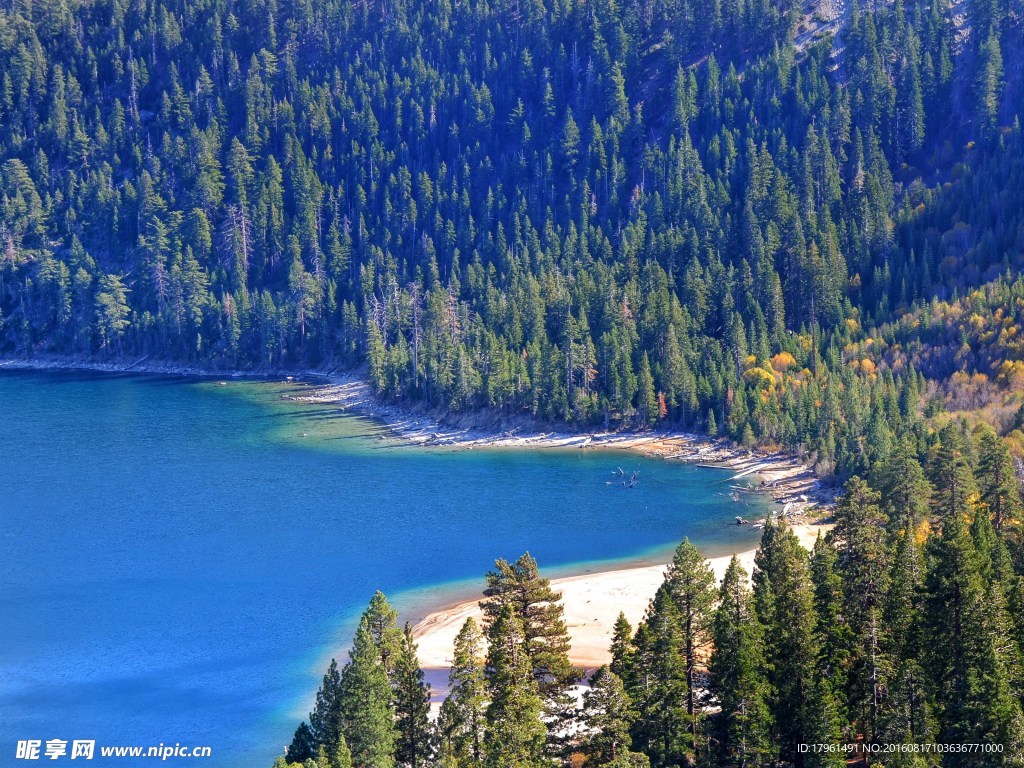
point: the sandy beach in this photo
(592, 603)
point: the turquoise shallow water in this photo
(179, 558)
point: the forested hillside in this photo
(584, 212)
(898, 642)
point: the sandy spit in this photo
(592, 602)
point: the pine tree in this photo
(657, 684)
(739, 734)
(999, 579)
(997, 482)
(711, 425)
(381, 621)
(303, 745)
(342, 757)
(514, 735)
(952, 477)
(904, 490)
(863, 563)
(973, 688)
(539, 610)
(647, 405)
(607, 716)
(461, 721)
(954, 593)
(112, 310)
(988, 81)
(821, 725)
(412, 707)
(622, 646)
(905, 716)
(691, 585)
(325, 720)
(365, 703)
(321, 760)
(784, 604)
(836, 639)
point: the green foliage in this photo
(414, 747)
(904, 490)
(835, 636)
(520, 587)
(622, 645)
(969, 674)
(325, 720)
(691, 586)
(514, 733)
(461, 720)
(903, 626)
(304, 744)
(656, 684)
(956, 491)
(365, 703)
(740, 731)
(997, 482)
(784, 602)
(863, 561)
(607, 716)
(618, 215)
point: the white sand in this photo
(592, 603)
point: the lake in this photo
(180, 558)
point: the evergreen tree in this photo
(784, 604)
(461, 721)
(905, 716)
(647, 407)
(607, 716)
(821, 725)
(528, 224)
(342, 757)
(412, 707)
(1000, 492)
(325, 720)
(381, 621)
(514, 733)
(955, 490)
(622, 646)
(691, 585)
(657, 684)
(365, 703)
(904, 490)
(863, 563)
(539, 610)
(835, 637)
(971, 683)
(739, 734)
(303, 745)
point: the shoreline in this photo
(592, 602)
(783, 477)
(142, 366)
(592, 599)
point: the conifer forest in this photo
(898, 641)
(798, 226)
(786, 225)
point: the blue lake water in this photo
(179, 559)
